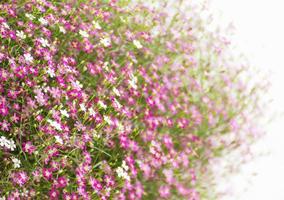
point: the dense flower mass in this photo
(112, 100)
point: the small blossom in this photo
(30, 16)
(83, 33)
(105, 41)
(58, 139)
(21, 35)
(62, 29)
(96, 25)
(16, 162)
(137, 44)
(83, 107)
(43, 21)
(116, 92)
(55, 124)
(102, 105)
(44, 42)
(50, 72)
(28, 57)
(20, 178)
(9, 144)
(64, 113)
(133, 81)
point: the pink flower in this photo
(62, 182)
(96, 185)
(28, 147)
(47, 173)
(3, 109)
(164, 191)
(5, 126)
(54, 194)
(20, 178)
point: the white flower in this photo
(16, 162)
(58, 139)
(9, 144)
(122, 171)
(50, 72)
(96, 135)
(96, 25)
(92, 112)
(117, 103)
(64, 113)
(83, 33)
(12, 145)
(28, 57)
(21, 34)
(105, 66)
(123, 19)
(116, 92)
(105, 41)
(6, 25)
(120, 126)
(30, 16)
(44, 42)
(137, 44)
(55, 124)
(107, 119)
(83, 107)
(101, 104)
(124, 166)
(43, 21)
(77, 84)
(62, 29)
(133, 81)
(2, 140)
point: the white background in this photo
(259, 33)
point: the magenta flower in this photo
(28, 147)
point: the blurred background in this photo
(259, 33)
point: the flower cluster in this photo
(107, 99)
(8, 144)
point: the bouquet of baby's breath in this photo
(113, 100)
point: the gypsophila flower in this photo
(44, 42)
(83, 107)
(102, 105)
(64, 113)
(30, 16)
(96, 25)
(105, 41)
(21, 34)
(100, 99)
(50, 72)
(9, 144)
(116, 91)
(58, 139)
(16, 162)
(6, 25)
(62, 29)
(43, 21)
(55, 124)
(119, 106)
(122, 172)
(92, 112)
(107, 119)
(133, 81)
(84, 33)
(28, 57)
(137, 44)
